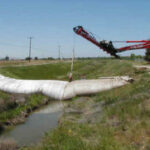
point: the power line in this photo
(12, 45)
(30, 48)
(21, 46)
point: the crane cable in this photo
(71, 71)
(72, 61)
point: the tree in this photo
(35, 58)
(50, 58)
(147, 55)
(7, 58)
(133, 56)
(28, 58)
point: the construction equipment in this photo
(108, 45)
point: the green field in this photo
(122, 122)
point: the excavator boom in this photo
(102, 44)
(108, 45)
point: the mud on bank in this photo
(15, 108)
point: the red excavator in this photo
(108, 45)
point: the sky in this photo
(50, 23)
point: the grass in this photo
(4, 95)
(73, 136)
(127, 110)
(124, 122)
(125, 116)
(5, 63)
(47, 71)
(13, 109)
(8, 145)
(82, 69)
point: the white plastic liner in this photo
(52, 88)
(142, 66)
(61, 89)
(86, 87)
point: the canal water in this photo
(39, 122)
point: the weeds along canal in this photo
(39, 122)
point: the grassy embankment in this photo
(122, 122)
(13, 105)
(4, 63)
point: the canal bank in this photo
(35, 126)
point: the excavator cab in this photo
(108, 46)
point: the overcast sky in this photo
(50, 22)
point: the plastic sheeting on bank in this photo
(61, 89)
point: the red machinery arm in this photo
(134, 47)
(82, 32)
(142, 41)
(108, 46)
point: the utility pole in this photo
(73, 53)
(59, 51)
(71, 73)
(30, 44)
